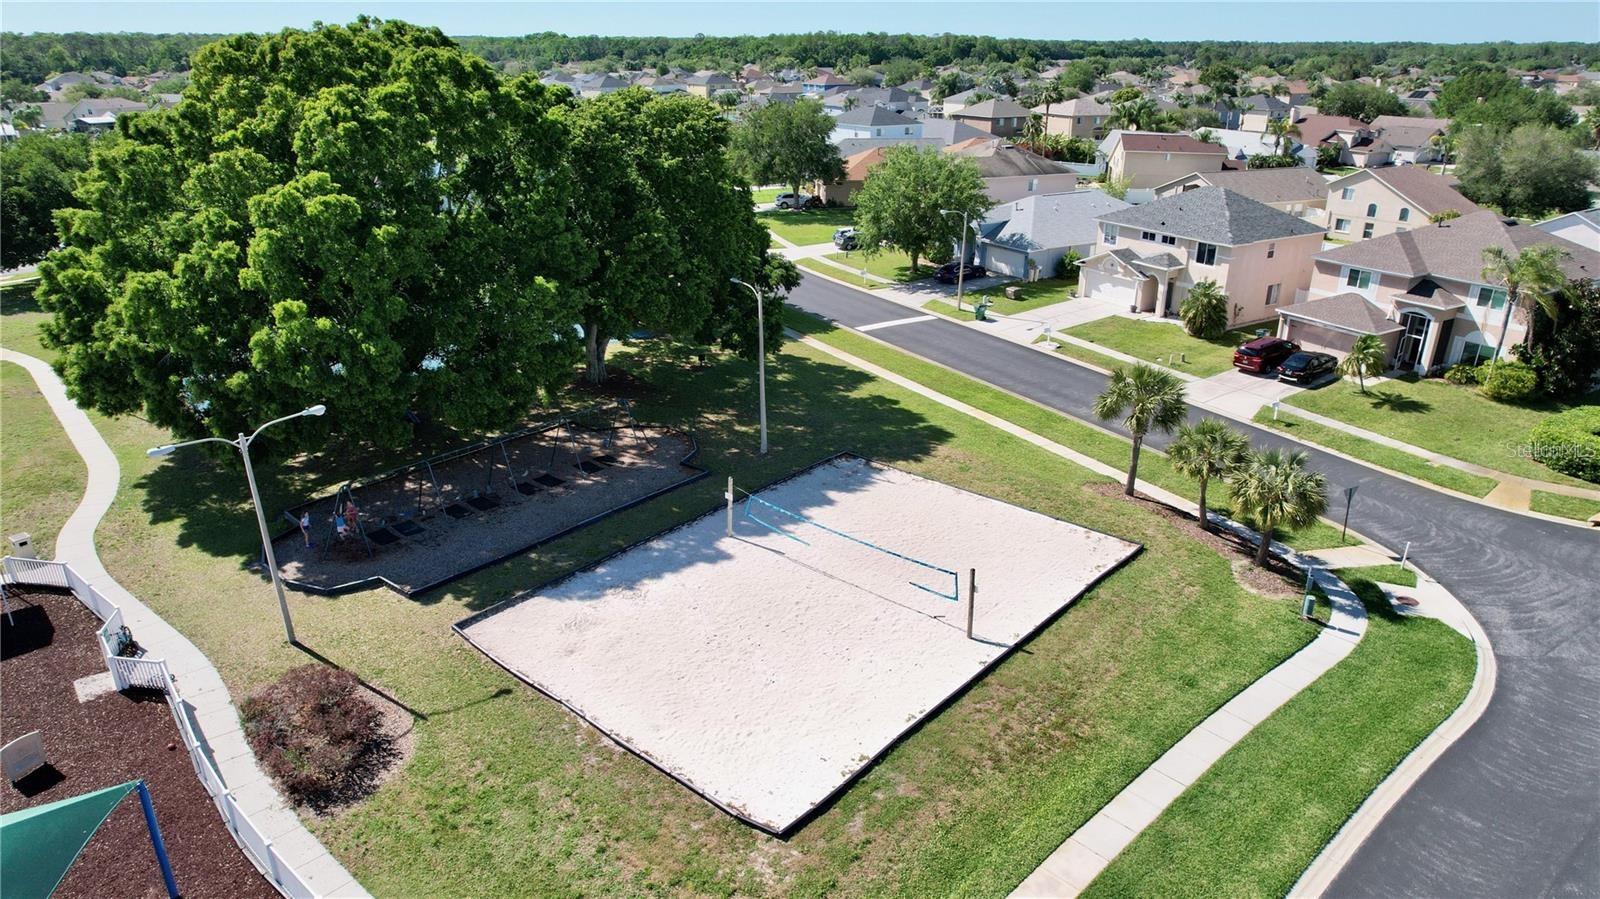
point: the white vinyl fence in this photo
(153, 674)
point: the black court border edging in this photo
(827, 801)
(378, 580)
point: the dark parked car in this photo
(947, 273)
(1263, 355)
(1305, 367)
(845, 238)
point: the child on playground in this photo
(305, 529)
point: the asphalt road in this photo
(1513, 808)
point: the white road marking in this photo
(899, 321)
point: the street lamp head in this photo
(157, 452)
(318, 409)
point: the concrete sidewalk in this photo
(211, 706)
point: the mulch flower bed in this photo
(109, 740)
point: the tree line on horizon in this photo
(33, 57)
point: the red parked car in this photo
(1263, 355)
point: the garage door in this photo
(1006, 262)
(1102, 286)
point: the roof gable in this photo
(1213, 215)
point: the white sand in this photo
(766, 674)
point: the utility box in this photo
(1013, 293)
(22, 546)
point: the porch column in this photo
(1429, 342)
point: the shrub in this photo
(1205, 311)
(311, 729)
(1067, 265)
(1462, 374)
(1569, 442)
(1509, 382)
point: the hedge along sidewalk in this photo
(203, 689)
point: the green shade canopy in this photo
(38, 845)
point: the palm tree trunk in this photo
(1133, 465)
(1266, 543)
(1505, 325)
(1205, 521)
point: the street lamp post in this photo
(961, 262)
(242, 444)
(761, 359)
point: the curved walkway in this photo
(1510, 808)
(210, 704)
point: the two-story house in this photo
(1376, 202)
(1149, 159)
(1151, 256)
(1422, 292)
(1010, 172)
(1001, 117)
(1298, 190)
(875, 122)
(1083, 117)
(708, 84)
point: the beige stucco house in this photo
(1001, 116)
(1011, 173)
(1378, 202)
(1083, 117)
(1299, 190)
(1151, 256)
(1422, 292)
(1149, 159)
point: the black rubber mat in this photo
(483, 503)
(456, 510)
(590, 467)
(527, 489)
(550, 480)
(383, 536)
(607, 459)
(409, 528)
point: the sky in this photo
(1440, 21)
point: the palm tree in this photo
(1591, 121)
(850, 103)
(1275, 490)
(1368, 357)
(1148, 398)
(1534, 273)
(1281, 130)
(1050, 95)
(1134, 115)
(1206, 450)
(1205, 311)
(1444, 144)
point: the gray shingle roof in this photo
(1049, 221)
(1286, 185)
(1213, 215)
(1454, 249)
(1345, 311)
(874, 117)
(1000, 108)
(998, 159)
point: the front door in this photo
(1412, 341)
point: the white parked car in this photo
(795, 201)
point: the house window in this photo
(1360, 279)
(1475, 354)
(1111, 235)
(1205, 254)
(1033, 185)
(1272, 250)
(908, 130)
(1168, 157)
(1169, 240)
(1405, 213)
(1366, 231)
(1272, 294)
(1147, 235)
(1492, 297)
(1341, 225)
(1348, 193)
(1372, 210)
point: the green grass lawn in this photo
(1382, 574)
(1376, 453)
(43, 476)
(1149, 340)
(808, 226)
(849, 276)
(891, 264)
(1565, 506)
(1035, 294)
(1436, 415)
(765, 195)
(1092, 441)
(509, 794)
(20, 320)
(1084, 354)
(1253, 823)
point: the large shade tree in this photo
(360, 215)
(664, 221)
(915, 201)
(786, 143)
(38, 170)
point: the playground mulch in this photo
(426, 529)
(106, 741)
